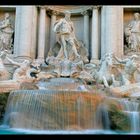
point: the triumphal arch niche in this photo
(69, 46)
(81, 17)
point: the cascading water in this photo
(63, 104)
(132, 110)
(50, 110)
(59, 105)
(102, 117)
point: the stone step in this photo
(8, 86)
(62, 84)
(127, 90)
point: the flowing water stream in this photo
(133, 112)
(62, 107)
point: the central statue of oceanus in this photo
(64, 28)
(72, 54)
(70, 47)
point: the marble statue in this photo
(49, 70)
(137, 74)
(4, 74)
(35, 68)
(132, 33)
(104, 72)
(112, 74)
(115, 83)
(70, 58)
(23, 72)
(64, 29)
(130, 66)
(6, 32)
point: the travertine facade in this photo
(90, 42)
(100, 28)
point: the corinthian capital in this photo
(53, 12)
(96, 7)
(86, 12)
(42, 7)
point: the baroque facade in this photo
(100, 28)
(70, 68)
(88, 41)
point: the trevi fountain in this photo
(69, 69)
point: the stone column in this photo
(47, 45)
(95, 35)
(112, 30)
(86, 29)
(120, 38)
(41, 34)
(103, 30)
(25, 34)
(52, 33)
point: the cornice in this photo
(73, 9)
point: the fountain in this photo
(67, 94)
(70, 110)
(68, 105)
(56, 107)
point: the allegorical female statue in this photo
(132, 33)
(6, 32)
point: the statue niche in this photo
(68, 56)
(6, 34)
(67, 45)
(132, 35)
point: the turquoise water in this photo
(16, 131)
(20, 131)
